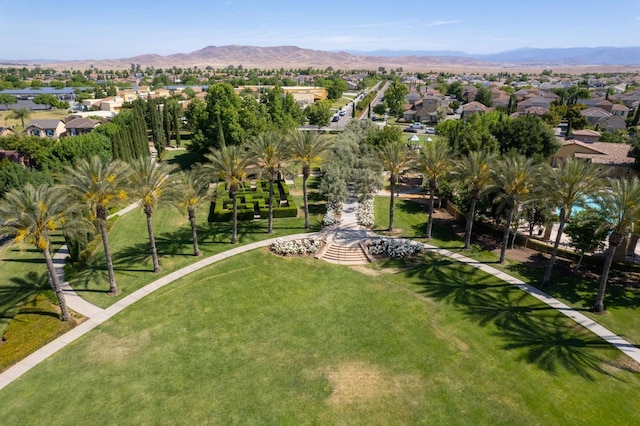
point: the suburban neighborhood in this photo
(352, 241)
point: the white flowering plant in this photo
(397, 248)
(296, 247)
(331, 217)
(364, 214)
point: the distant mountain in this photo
(534, 56)
(397, 53)
(532, 60)
(569, 56)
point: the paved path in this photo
(349, 232)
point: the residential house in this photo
(6, 131)
(596, 103)
(45, 128)
(595, 115)
(586, 135)
(472, 108)
(537, 101)
(619, 110)
(79, 126)
(613, 159)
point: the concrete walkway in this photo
(348, 232)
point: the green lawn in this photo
(258, 339)
(23, 275)
(622, 302)
(129, 245)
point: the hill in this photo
(574, 60)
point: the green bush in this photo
(221, 209)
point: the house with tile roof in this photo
(474, 107)
(79, 126)
(45, 128)
(613, 159)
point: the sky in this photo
(108, 29)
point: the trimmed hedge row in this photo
(250, 202)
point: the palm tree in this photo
(230, 163)
(475, 173)
(434, 163)
(396, 159)
(620, 206)
(150, 183)
(568, 185)
(100, 184)
(191, 191)
(21, 114)
(267, 151)
(516, 178)
(306, 147)
(30, 215)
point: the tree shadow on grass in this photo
(576, 289)
(550, 344)
(537, 333)
(20, 291)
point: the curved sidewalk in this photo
(347, 230)
(96, 315)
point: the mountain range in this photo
(532, 56)
(562, 60)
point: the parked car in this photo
(430, 130)
(342, 112)
(335, 118)
(417, 126)
(410, 130)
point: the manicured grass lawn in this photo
(23, 274)
(258, 339)
(622, 303)
(36, 324)
(129, 244)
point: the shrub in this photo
(330, 217)
(364, 214)
(394, 247)
(296, 247)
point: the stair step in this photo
(345, 255)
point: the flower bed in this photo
(394, 247)
(296, 247)
(365, 213)
(331, 217)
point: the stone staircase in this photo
(353, 254)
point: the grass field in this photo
(5, 121)
(129, 245)
(259, 339)
(269, 340)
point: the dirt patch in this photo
(360, 382)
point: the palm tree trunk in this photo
(270, 219)
(234, 225)
(392, 187)
(152, 243)
(554, 252)
(505, 238)
(194, 231)
(305, 176)
(113, 288)
(469, 225)
(614, 241)
(55, 285)
(432, 190)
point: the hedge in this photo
(249, 201)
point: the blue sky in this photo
(73, 29)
